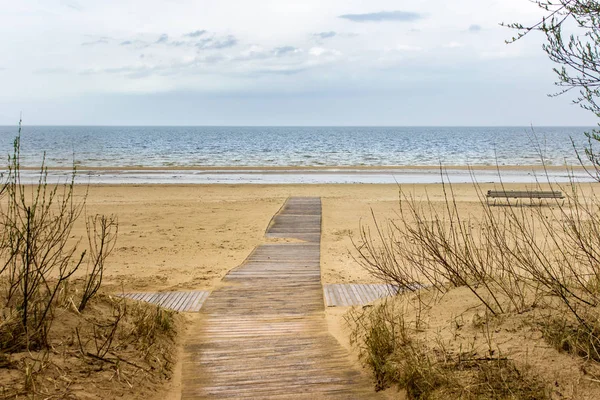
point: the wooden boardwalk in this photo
(263, 333)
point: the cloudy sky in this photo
(275, 62)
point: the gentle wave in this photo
(293, 146)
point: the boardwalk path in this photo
(263, 332)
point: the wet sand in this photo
(311, 175)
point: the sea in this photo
(163, 154)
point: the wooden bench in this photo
(523, 194)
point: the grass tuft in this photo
(580, 339)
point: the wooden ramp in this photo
(263, 333)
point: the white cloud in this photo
(320, 51)
(80, 48)
(406, 47)
(495, 55)
(454, 45)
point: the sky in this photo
(275, 62)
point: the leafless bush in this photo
(102, 234)
(432, 245)
(511, 257)
(37, 253)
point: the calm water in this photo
(291, 146)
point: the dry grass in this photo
(573, 338)
(115, 348)
(398, 355)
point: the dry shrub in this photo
(151, 328)
(36, 257)
(513, 257)
(390, 348)
(419, 375)
(379, 332)
(436, 245)
(58, 335)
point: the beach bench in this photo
(523, 194)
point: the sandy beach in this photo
(188, 237)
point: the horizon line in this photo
(298, 126)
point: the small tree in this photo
(572, 30)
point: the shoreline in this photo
(316, 168)
(311, 175)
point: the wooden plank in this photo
(192, 300)
(371, 293)
(151, 296)
(378, 291)
(337, 298)
(178, 301)
(141, 296)
(357, 294)
(164, 297)
(183, 303)
(326, 291)
(349, 298)
(344, 300)
(157, 297)
(160, 297)
(369, 296)
(365, 292)
(169, 298)
(356, 298)
(199, 301)
(188, 301)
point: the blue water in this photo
(292, 146)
